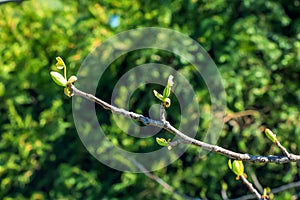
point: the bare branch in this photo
(186, 139)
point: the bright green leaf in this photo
(58, 79)
(167, 90)
(162, 142)
(237, 167)
(158, 95)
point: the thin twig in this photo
(160, 181)
(285, 187)
(224, 194)
(256, 182)
(283, 149)
(251, 188)
(167, 126)
(273, 191)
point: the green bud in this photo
(238, 167)
(162, 142)
(166, 92)
(271, 135)
(58, 79)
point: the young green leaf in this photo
(60, 63)
(167, 90)
(58, 79)
(237, 167)
(162, 142)
(159, 96)
(166, 93)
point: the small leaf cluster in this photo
(166, 93)
(62, 80)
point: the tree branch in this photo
(8, 1)
(186, 139)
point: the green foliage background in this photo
(255, 44)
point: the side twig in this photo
(273, 191)
(251, 188)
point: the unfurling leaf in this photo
(159, 96)
(162, 142)
(237, 167)
(266, 193)
(58, 79)
(167, 102)
(60, 63)
(166, 93)
(72, 79)
(167, 90)
(62, 80)
(68, 92)
(271, 135)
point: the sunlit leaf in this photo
(58, 79)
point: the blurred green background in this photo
(255, 44)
